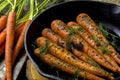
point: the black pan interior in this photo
(108, 14)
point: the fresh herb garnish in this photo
(72, 31)
(105, 31)
(96, 40)
(103, 48)
(76, 76)
(57, 73)
(45, 48)
(85, 75)
(113, 39)
(93, 63)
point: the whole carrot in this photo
(91, 40)
(63, 43)
(60, 28)
(59, 64)
(3, 21)
(10, 30)
(85, 21)
(18, 31)
(65, 55)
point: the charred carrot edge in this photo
(9, 43)
(68, 57)
(3, 22)
(85, 21)
(88, 37)
(60, 41)
(59, 27)
(57, 63)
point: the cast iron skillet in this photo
(108, 14)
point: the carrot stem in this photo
(3, 5)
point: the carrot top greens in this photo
(113, 38)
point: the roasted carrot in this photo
(59, 64)
(65, 55)
(2, 36)
(88, 37)
(20, 43)
(60, 28)
(85, 21)
(60, 41)
(10, 30)
(3, 21)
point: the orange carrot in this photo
(95, 44)
(60, 64)
(3, 21)
(2, 36)
(85, 21)
(60, 28)
(20, 43)
(68, 57)
(18, 31)
(10, 30)
(17, 34)
(63, 43)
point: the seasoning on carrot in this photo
(63, 54)
(60, 41)
(95, 44)
(57, 63)
(3, 21)
(60, 28)
(85, 21)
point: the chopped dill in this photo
(45, 48)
